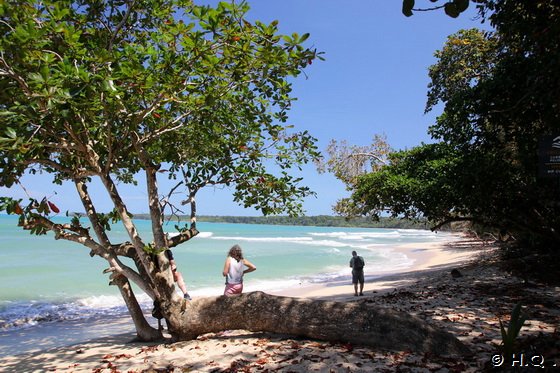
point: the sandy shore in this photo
(427, 257)
(469, 307)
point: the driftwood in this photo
(357, 323)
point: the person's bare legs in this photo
(181, 283)
(356, 288)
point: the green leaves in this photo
(452, 8)
(497, 91)
(510, 334)
(32, 217)
(9, 132)
(191, 91)
(10, 205)
(407, 6)
(456, 7)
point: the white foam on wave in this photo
(357, 236)
(368, 239)
(428, 234)
(100, 301)
(391, 259)
(263, 239)
(305, 241)
(374, 245)
(327, 243)
(22, 314)
(199, 235)
(393, 233)
(416, 232)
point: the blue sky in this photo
(374, 81)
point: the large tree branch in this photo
(65, 231)
(153, 196)
(451, 220)
(129, 227)
(8, 71)
(121, 24)
(81, 235)
(118, 267)
(143, 329)
(81, 187)
(369, 155)
(182, 237)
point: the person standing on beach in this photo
(357, 263)
(234, 269)
(177, 275)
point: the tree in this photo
(499, 93)
(349, 162)
(108, 90)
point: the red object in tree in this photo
(53, 207)
(18, 210)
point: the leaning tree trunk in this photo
(144, 331)
(351, 322)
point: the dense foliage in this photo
(90, 87)
(499, 93)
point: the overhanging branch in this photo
(454, 219)
(182, 237)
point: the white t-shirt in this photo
(235, 274)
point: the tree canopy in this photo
(96, 87)
(499, 92)
(349, 162)
(107, 90)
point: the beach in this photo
(469, 306)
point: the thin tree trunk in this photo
(143, 329)
(131, 230)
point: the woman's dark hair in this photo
(236, 253)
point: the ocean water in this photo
(43, 280)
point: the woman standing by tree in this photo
(234, 269)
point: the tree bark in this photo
(144, 331)
(350, 322)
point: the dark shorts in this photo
(358, 276)
(169, 254)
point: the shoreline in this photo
(469, 307)
(67, 332)
(431, 257)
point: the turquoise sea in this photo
(45, 280)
